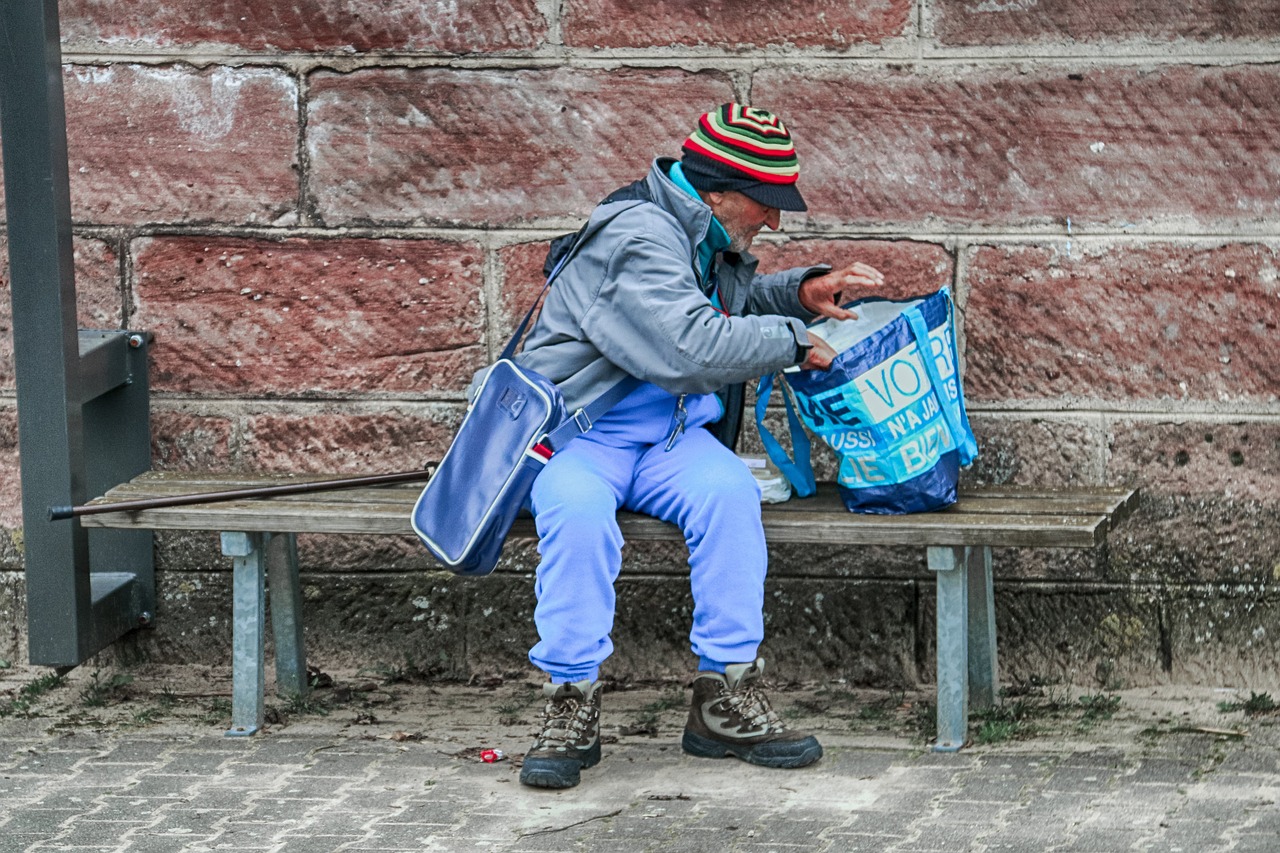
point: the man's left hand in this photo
(823, 294)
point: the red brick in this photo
(991, 147)
(178, 144)
(187, 441)
(349, 444)
(1236, 461)
(910, 268)
(1124, 322)
(726, 25)
(980, 22)
(464, 26)
(521, 280)
(98, 301)
(441, 146)
(255, 318)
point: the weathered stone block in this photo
(184, 440)
(911, 268)
(98, 300)
(1225, 635)
(724, 25)
(13, 614)
(193, 620)
(415, 621)
(1149, 322)
(407, 621)
(10, 473)
(520, 281)
(437, 146)
(364, 554)
(179, 552)
(983, 146)
(813, 629)
(309, 317)
(830, 561)
(1060, 565)
(1049, 23)
(348, 443)
(1180, 540)
(499, 629)
(861, 631)
(179, 144)
(1236, 461)
(1108, 635)
(347, 26)
(1051, 452)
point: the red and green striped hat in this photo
(747, 150)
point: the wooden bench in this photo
(259, 535)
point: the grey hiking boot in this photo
(731, 716)
(570, 737)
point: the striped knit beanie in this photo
(736, 148)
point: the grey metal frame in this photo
(83, 403)
(966, 612)
(259, 561)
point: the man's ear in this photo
(712, 198)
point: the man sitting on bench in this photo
(663, 290)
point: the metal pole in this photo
(45, 340)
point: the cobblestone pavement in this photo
(1167, 771)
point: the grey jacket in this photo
(632, 302)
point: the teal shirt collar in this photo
(717, 239)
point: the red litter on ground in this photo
(488, 756)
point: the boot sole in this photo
(558, 772)
(800, 753)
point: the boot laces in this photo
(751, 704)
(566, 721)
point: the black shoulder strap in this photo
(635, 191)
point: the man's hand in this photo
(821, 354)
(823, 294)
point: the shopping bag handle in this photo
(961, 435)
(799, 472)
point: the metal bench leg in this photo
(984, 682)
(949, 564)
(286, 614)
(247, 630)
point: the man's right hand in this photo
(821, 354)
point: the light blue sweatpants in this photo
(699, 485)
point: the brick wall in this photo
(329, 212)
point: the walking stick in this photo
(58, 513)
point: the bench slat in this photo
(970, 502)
(998, 499)
(1000, 516)
(392, 519)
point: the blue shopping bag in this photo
(891, 407)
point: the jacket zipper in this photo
(679, 415)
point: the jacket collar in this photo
(692, 213)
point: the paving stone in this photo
(325, 792)
(33, 821)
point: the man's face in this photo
(742, 217)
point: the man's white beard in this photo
(739, 242)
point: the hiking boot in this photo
(570, 738)
(731, 715)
